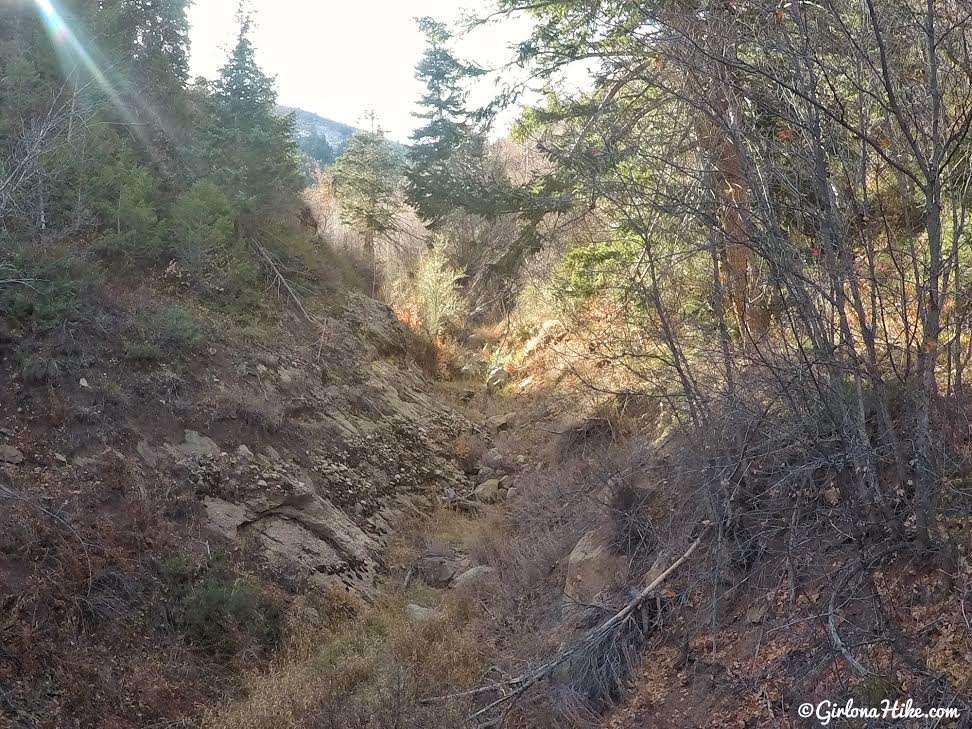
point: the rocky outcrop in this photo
(367, 442)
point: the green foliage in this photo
(255, 154)
(589, 271)
(123, 195)
(144, 353)
(218, 614)
(201, 220)
(173, 326)
(159, 334)
(447, 161)
(438, 298)
(318, 149)
(152, 169)
(367, 181)
(56, 284)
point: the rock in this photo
(466, 506)
(591, 568)
(495, 460)
(472, 577)
(244, 453)
(293, 544)
(299, 530)
(418, 614)
(60, 458)
(488, 491)
(261, 369)
(438, 571)
(285, 378)
(499, 423)
(272, 453)
(506, 482)
(511, 492)
(149, 454)
(225, 517)
(497, 377)
(9, 454)
(524, 385)
(193, 446)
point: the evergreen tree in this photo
(367, 181)
(318, 149)
(447, 159)
(257, 161)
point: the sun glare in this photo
(72, 54)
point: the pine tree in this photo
(447, 158)
(257, 161)
(367, 181)
(318, 149)
(145, 59)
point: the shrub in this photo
(220, 615)
(144, 352)
(57, 282)
(256, 411)
(236, 285)
(436, 293)
(173, 326)
(201, 219)
(591, 270)
(39, 369)
(131, 215)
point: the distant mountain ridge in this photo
(309, 123)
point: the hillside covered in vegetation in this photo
(648, 411)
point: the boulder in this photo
(149, 454)
(592, 568)
(497, 377)
(488, 491)
(418, 614)
(285, 378)
(9, 454)
(472, 578)
(495, 460)
(297, 529)
(499, 423)
(438, 571)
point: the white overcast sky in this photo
(340, 57)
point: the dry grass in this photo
(468, 450)
(253, 410)
(367, 673)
